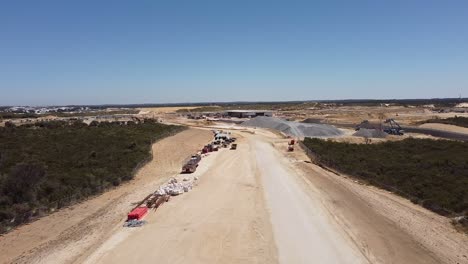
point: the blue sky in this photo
(97, 52)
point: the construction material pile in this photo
(370, 133)
(174, 187)
(294, 128)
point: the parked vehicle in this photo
(191, 165)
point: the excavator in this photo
(393, 127)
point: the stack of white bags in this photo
(173, 187)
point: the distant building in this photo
(248, 113)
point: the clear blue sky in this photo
(95, 52)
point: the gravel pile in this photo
(294, 128)
(370, 133)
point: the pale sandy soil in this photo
(304, 231)
(226, 218)
(313, 216)
(356, 114)
(222, 220)
(445, 127)
(68, 234)
(258, 204)
(167, 109)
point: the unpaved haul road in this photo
(260, 204)
(257, 204)
(303, 233)
(247, 208)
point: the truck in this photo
(207, 148)
(191, 165)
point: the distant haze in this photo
(91, 52)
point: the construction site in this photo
(246, 192)
(232, 132)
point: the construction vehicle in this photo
(191, 165)
(233, 146)
(394, 128)
(207, 148)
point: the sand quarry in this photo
(256, 204)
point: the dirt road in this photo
(248, 208)
(304, 233)
(256, 204)
(260, 204)
(222, 220)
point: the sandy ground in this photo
(304, 231)
(445, 127)
(311, 215)
(167, 109)
(356, 114)
(258, 204)
(226, 218)
(67, 235)
(222, 220)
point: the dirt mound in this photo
(370, 133)
(294, 128)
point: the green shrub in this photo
(433, 173)
(49, 165)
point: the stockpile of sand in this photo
(294, 128)
(370, 133)
(462, 105)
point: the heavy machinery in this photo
(393, 128)
(207, 148)
(233, 146)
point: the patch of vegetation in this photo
(12, 115)
(456, 121)
(97, 113)
(284, 106)
(48, 165)
(433, 173)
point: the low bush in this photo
(49, 165)
(433, 173)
